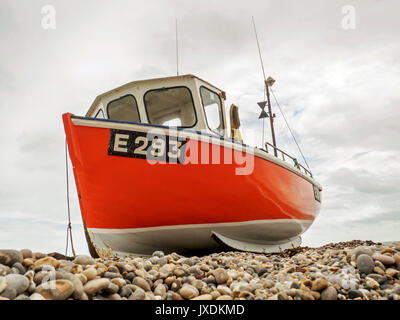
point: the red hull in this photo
(118, 192)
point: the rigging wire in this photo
(287, 124)
(69, 226)
(176, 44)
(262, 67)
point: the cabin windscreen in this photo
(170, 107)
(213, 110)
(124, 108)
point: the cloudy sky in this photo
(337, 66)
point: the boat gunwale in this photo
(260, 153)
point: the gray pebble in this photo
(125, 291)
(9, 257)
(17, 282)
(365, 263)
(329, 293)
(84, 260)
(159, 254)
(9, 293)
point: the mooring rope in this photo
(69, 226)
(287, 124)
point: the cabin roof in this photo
(129, 84)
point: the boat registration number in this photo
(147, 145)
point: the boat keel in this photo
(255, 247)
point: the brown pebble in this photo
(319, 284)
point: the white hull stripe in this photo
(197, 226)
(194, 136)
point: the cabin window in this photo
(213, 110)
(170, 107)
(100, 114)
(124, 108)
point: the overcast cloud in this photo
(339, 89)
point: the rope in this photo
(287, 124)
(69, 226)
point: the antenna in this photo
(259, 50)
(267, 82)
(176, 37)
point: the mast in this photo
(269, 83)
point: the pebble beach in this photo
(354, 270)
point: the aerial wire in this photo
(176, 43)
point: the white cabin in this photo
(182, 101)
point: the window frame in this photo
(100, 111)
(166, 88)
(221, 111)
(121, 97)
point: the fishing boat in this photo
(156, 169)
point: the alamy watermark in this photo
(171, 147)
(349, 17)
(48, 21)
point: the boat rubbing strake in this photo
(155, 169)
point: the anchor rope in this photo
(287, 124)
(69, 225)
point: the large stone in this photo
(160, 290)
(44, 276)
(365, 264)
(84, 260)
(319, 284)
(9, 293)
(4, 270)
(9, 257)
(119, 282)
(221, 276)
(78, 288)
(159, 254)
(166, 270)
(111, 289)
(386, 260)
(362, 250)
(391, 272)
(355, 294)
(56, 289)
(125, 292)
(396, 258)
(139, 294)
(303, 294)
(188, 291)
(17, 282)
(49, 261)
(224, 290)
(371, 283)
(329, 293)
(142, 283)
(96, 285)
(378, 277)
(90, 273)
(26, 253)
(36, 296)
(19, 267)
